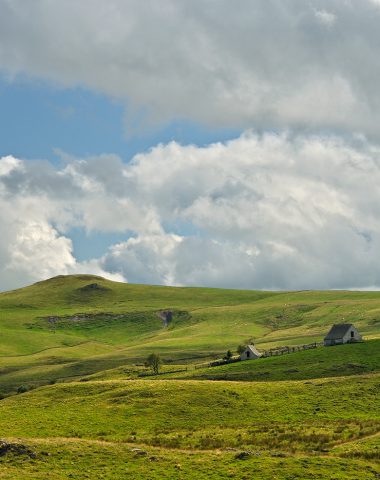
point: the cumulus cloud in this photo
(276, 64)
(31, 246)
(260, 211)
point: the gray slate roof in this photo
(254, 350)
(338, 331)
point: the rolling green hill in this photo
(73, 347)
(70, 326)
(194, 429)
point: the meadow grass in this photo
(58, 459)
(314, 414)
(122, 327)
(297, 416)
(341, 360)
(327, 428)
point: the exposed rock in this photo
(15, 448)
(166, 317)
(243, 455)
(79, 317)
(139, 451)
(92, 286)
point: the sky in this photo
(207, 143)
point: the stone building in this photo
(250, 353)
(342, 333)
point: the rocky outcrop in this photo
(16, 449)
(166, 317)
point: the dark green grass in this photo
(79, 459)
(341, 360)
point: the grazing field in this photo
(59, 459)
(341, 360)
(197, 414)
(73, 404)
(68, 327)
(218, 426)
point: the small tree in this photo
(228, 355)
(154, 362)
(241, 348)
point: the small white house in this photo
(250, 353)
(342, 333)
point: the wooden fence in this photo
(286, 350)
(164, 372)
(266, 353)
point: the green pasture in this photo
(76, 351)
(121, 326)
(341, 360)
(191, 429)
(295, 416)
(61, 459)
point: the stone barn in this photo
(250, 353)
(342, 333)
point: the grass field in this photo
(78, 349)
(73, 458)
(302, 426)
(120, 324)
(342, 360)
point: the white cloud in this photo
(265, 64)
(272, 212)
(38, 247)
(8, 164)
(325, 18)
(260, 211)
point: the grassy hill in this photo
(341, 360)
(70, 326)
(191, 429)
(79, 342)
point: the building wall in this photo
(244, 355)
(347, 338)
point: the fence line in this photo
(152, 374)
(286, 350)
(265, 354)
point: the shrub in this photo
(23, 389)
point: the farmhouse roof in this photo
(254, 350)
(338, 331)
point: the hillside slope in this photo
(70, 326)
(312, 414)
(191, 429)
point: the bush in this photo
(23, 389)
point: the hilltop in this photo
(70, 326)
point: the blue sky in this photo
(38, 120)
(254, 134)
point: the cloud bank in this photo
(266, 64)
(273, 211)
